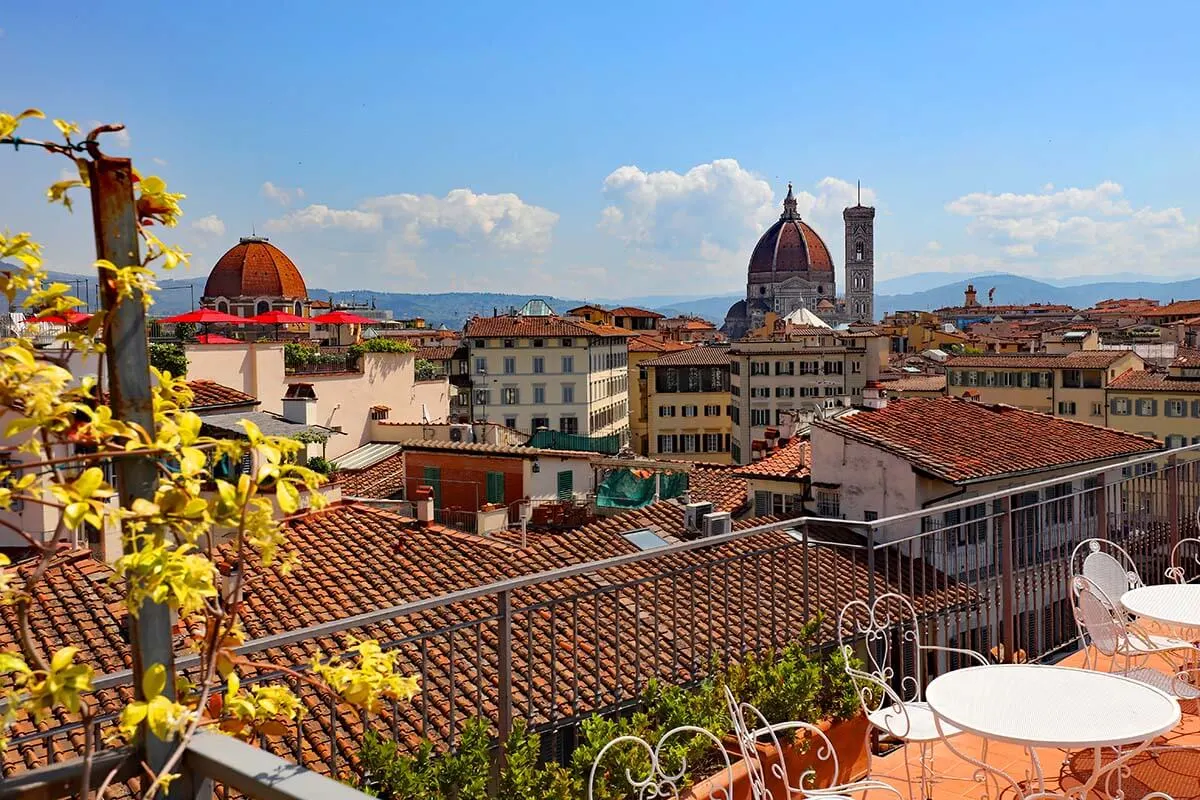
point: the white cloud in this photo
(705, 221)
(320, 216)
(280, 194)
(933, 246)
(462, 217)
(211, 225)
(162, 162)
(1069, 231)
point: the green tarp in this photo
(623, 488)
(554, 440)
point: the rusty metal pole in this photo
(128, 367)
(1173, 505)
(1008, 592)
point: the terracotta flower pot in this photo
(849, 739)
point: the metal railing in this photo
(556, 646)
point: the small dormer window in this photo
(379, 413)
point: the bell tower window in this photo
(858, 251)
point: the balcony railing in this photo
(557, 646)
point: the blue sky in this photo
(621, 149)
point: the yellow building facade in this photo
(687, 405)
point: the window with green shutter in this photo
(566, 484)
(495, 487)
(432, 476)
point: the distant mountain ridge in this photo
(926, 291)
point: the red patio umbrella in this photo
(277, 318)
(341, 318)
(67, 318)
(215, 338)
(205, 316)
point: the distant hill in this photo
(924, 291)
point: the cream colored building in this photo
(642, 349)
(1163, 405)
(687, 405)
(1070, 385)
(796, 369)
(532, 372)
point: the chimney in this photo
(423, 505)
(298, 403)
(969, 296)
(874, 396)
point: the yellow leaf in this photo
(74, 514)
(154, 681)
(66, 128)
(11, 662)
(63, 658)
(288, 497)
(89, 481)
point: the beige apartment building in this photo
(1069, 385)
(642, 349)
(1163, 405)
(687, 404)
(531, 372)
(795, 369)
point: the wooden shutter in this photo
(566, 484)
(433, 477)
(495, 487)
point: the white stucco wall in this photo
(543, 485)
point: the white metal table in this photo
(1044, 706)
(1174, 604)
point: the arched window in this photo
(299, 309)
(262, 308)
(858, 251)
(222, 306)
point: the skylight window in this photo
(645, 539)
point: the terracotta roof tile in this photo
(378, 481)
(719, 485)
(631, 311)
(790, 462)
(650, 344)
(960, 440)
(1141, 381)
(209, 394)
(567, 657)
(439, 353)
(1186, 357)
(917, 383)
(692, 357)
(1190, 308)
(255, 268)
(517, 326)
(1082, 359)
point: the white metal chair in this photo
(1106, 565)
(1185, 561)
(891, 688)
(751, 728)
(1127, 647)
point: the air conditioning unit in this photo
(717, 524)
(693, 514)
(460, 433)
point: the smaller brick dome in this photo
(255, 268)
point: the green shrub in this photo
(425, 370)
(321, 465)
(380, 344)
(169, 357)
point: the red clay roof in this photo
(790, 245)
(1189, 308)
(443, 352)
(566, 659)
(651, 344)
(719, 485)
(1186, 357)
(631, 311)
(210, 394)
(1141, 381)
(517, 326)
(790, 462)
(379, 481)
(1081, 359)
(960, 440)
(255, 268)
(917, 383)
(692, 357)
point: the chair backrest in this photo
(1185, 561)
(635, 768)
(892, 638)
(1107, 565)
(752, 729)
(1101, 622)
